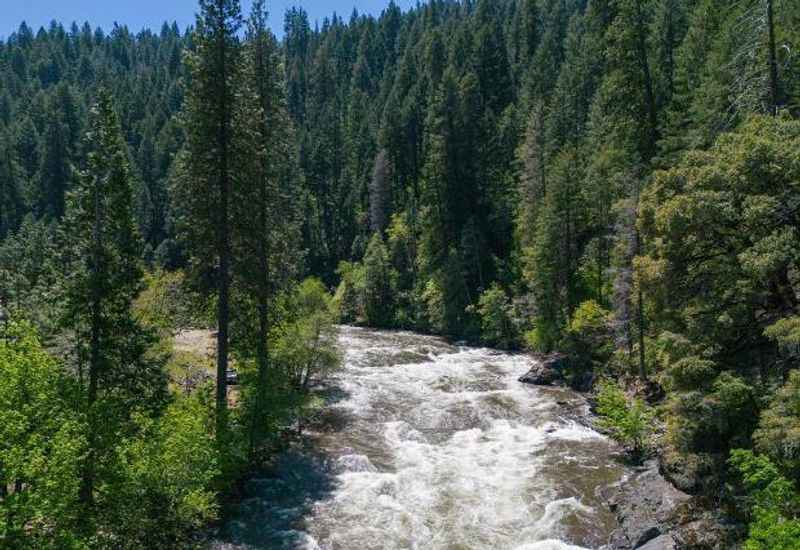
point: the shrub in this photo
(629, 421)
(167, 305)
(588, 340)
(719, 414)
(42, 444)
(433, 298)
(304, 344)
(496, 326)
(691, 373)
(166, 492)
(349, 299)
(778, 433)
(773, 502)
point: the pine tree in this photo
(379, 192)
(55, 170)
(378, 296)
(264, 210)
(117, 376)
(11, 203)
(206, 186)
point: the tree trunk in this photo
(87, 481)
(223, 231)
(773, 60)
(262, 346)
(650, 98)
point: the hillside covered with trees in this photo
(617, 180)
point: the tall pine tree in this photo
(103, 254)
(205, 185)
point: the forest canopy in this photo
(616, 180)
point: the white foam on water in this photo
(549, 545)
(354, 463)
(300, 540)
(572, 431)
(465, 453)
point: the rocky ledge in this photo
(654, 515)
(549, 370)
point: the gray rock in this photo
(549, 370)
(709, 532)
(647, 507)
(663, 542)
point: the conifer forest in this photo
(193, 221)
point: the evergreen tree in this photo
(378, 295)
(264, 210)
(11, 197)
(205, 189)
(55, 170)
(114, 370)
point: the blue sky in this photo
(139, 14)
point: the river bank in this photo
(652, 513)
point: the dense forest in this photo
(616, 180)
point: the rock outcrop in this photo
(647, 508)
(548, 371)
(654, 515)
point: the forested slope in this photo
(614, 179)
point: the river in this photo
(431, 446)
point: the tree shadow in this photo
(277, 503)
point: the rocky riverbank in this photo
(652, 513)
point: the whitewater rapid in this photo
(429, 446)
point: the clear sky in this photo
(139, 14)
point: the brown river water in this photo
(431, 446)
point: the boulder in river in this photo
(548, 370)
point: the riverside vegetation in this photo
(618, 180)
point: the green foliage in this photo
(42, 445)
(720, 297)
(349, 298)
(30, 276)
(552, 262)
(496, 327)
(167, 305)
(378, 292)
(773, 502)
(433, 298)
(630, 421)
(590, 318)
(778, 433)
(305, 343)
(786, 332)
(169, 471)
(691, 373)
(713, 279)
(714, 417)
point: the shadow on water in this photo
(275, 507)
(277, 504)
